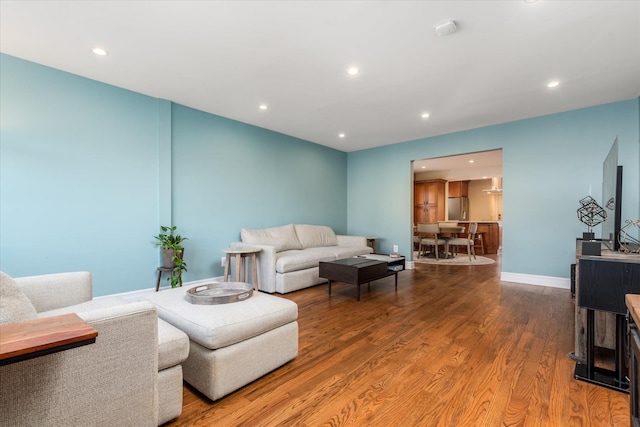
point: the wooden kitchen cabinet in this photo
(429, 203)
(458, 188)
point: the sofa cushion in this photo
(283, 238)
(313, 236)
(299, 260)
(220, 325)
(14, 304)
(339, 252)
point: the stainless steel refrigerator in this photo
(458, 208)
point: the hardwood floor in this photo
(453, 346)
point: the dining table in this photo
(450, 229)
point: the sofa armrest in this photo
(266, 266)
(110, 382)
(351, 240)
(50, 291)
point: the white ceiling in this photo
(227, 57)
(469, 166)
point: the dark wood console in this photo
(603, 284)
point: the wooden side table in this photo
(240, 255)
(39, 337)
(371, 242)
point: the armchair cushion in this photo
(14, 304)
(51, 291)
(173, 345)
(94, 304)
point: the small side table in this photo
(371, 242)
(165, 270)
(240, 255)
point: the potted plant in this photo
(170, 244)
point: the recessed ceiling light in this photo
(472, 161)
(263, 106)
(424, 167)
(553, 84)
(425, 115)
(100, 51)
(341, 135)
(353, 71)
(484, 177)
(531, 1)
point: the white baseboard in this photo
(409, 265)
(139, 294)
(532, 279)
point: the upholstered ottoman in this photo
(231, 344)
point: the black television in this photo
(612, 198)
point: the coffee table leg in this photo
(396, 280)
(358, 293)
(329, 287)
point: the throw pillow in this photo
(14, 304)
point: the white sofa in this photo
(290, 254)
(131, 375)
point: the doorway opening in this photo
(464, 188)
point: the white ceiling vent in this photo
(447, 28)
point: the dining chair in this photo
(479, 240)
(468, 241)
(429, 233)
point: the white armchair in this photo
(127, 377)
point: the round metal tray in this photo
(220, 293)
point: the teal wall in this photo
(84, 182)
(549, 163)
(228, 175)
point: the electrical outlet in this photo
(222, 261)
(395, 248)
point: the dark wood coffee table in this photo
(359, 270)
